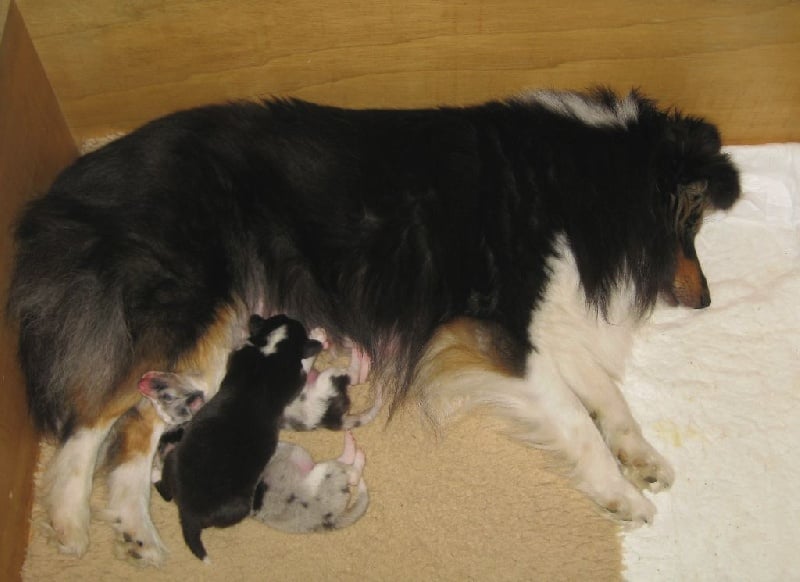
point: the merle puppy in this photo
(213, 471)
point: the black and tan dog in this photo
(498, 255)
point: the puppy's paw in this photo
(319, 334)
(643, 466)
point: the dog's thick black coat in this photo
(378, 225)
(213, 471)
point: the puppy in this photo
(297, 495)
(499, 255)
(294, 494)
(324, 400)
(213, 471)
(176, 402)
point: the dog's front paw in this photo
(643, 466)
(629, 506)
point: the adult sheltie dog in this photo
(498, 255)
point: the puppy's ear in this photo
(341, 383)
(195, 401)
(311, 348)
(255, 325)
(151, 383)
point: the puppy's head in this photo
(281, 334)
(699, 179)
(175, 397)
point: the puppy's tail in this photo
(191, 535)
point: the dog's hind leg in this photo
(129, 481)
(460, 371)
(69, 486)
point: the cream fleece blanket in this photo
(718, 392)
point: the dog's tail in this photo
(73, 333)
(460, 371)
(192, 531)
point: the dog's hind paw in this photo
(139, 551)
(70, 536)
(136, 540)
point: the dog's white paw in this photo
(136, 537)
(628, 505)
(69, 529)
(642, 465)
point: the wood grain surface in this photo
(115, 65)
(34, 145)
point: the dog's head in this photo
(699, 179)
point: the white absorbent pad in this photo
(717, 391)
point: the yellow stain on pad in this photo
(674, 434)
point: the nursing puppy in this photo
(325, 401)
(297, 495)
(499, 255)
(213, 470)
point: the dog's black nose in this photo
(705, 300)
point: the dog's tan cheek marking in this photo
(688, 282)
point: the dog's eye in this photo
(167, 397)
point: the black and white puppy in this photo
(213, 471)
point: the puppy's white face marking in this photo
(588, 111)
(273, 339)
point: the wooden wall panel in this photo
(34, 145)
(117, 64)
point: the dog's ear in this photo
(311, 348)
(702, 161)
